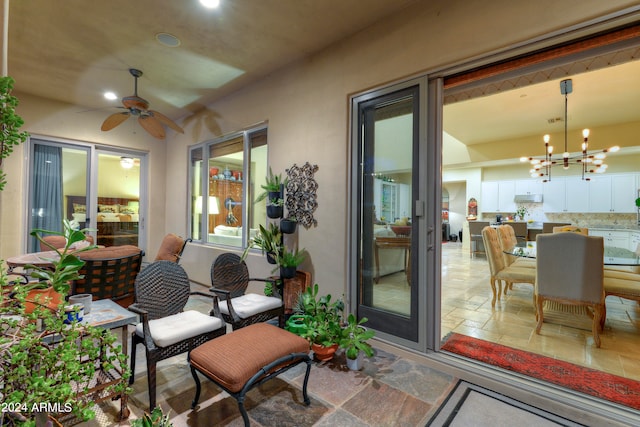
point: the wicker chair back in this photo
(162, 289)
(230, 273)
(109, 273)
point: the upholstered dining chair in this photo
(571, 229)
(475, 237)
(500, 272)
(165, 329)
(229, 281)
(571, 271)
(547, 227)
(508, 241)
(171, 248)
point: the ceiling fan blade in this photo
(151, 125)
(166, 121)
(114, 120)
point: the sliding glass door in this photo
(387, 140)
(92, 187)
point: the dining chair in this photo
(229, 281)
(547, 227)
(572, 229)
(508, 241)
(165, 329)
(500, 272)
(571, 271)
(475, 237)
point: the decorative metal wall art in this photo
(301, 200)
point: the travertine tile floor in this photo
(466, 309)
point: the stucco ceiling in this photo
(74, 50)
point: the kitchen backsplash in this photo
(537, 214)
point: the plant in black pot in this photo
(269, 240)
(354, 337)
(289, 262)
(288, 225)
(275, 208)
(272, 187)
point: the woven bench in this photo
(247, 357)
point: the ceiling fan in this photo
(150, 120)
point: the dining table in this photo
(612, 255)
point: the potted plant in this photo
(275, 207)
(288, 225)
(354, 341)
(10, 124)
(289, 262)
(272, 186)
(49, 360)
(54, 283)
(269, 240)
(318, 319)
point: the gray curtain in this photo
(47, 190)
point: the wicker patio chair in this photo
(162, 290)
(109, 273)
(229, 280)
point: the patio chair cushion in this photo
(172, 329)
(231, 360)
(249, 304)
(170, 248)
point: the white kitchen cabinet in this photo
(391, 200)
(497, 196)
(576, 194)
(528, 186)
(634, 241)
(613, 238)
(553, 195)
(612, 193)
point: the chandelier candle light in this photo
(589, 163)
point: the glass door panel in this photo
(387, 294)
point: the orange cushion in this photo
(57, 242)
(170, 248)
(110, 252)
(232, 359)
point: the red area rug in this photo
(584, 380)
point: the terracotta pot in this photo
(39, 296)
(323, 353)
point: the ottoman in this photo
(247, 357)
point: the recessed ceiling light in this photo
(167, 39)
(210, 4)
(110, 96)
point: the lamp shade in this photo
(214, 205)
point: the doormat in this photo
(472, 405)
(584, 380)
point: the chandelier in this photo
(588, 162)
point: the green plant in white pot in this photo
(354, 339)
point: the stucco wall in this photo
(306, 105)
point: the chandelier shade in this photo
(588, 162)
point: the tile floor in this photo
(466, 309)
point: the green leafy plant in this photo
(321, 316)
(66, 263)
(45, 360)
(276, 202)
(293, 258)
(638, 202)
(354, 337)
(155, 419)
(272, 185)
(10, 124)
(268, 239)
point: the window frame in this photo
(201, 232)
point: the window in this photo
(224, 176)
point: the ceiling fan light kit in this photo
(151, 121)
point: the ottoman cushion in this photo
(231, 360)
